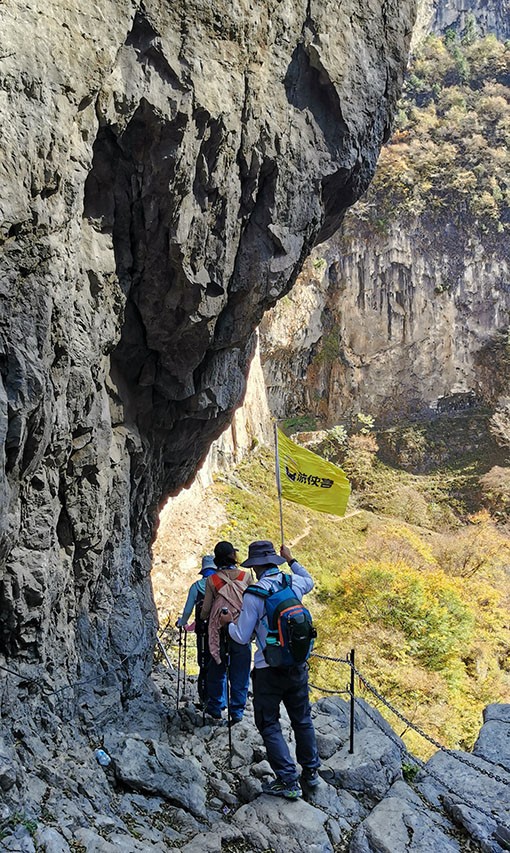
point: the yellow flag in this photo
(306, 478)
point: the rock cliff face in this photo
(387, 323)
(490, 16)
(166, 168)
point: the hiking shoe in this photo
(310, 778)
(279, 788)
(213, 720)
(213, 716)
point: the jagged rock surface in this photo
(389, 322)
(166, 169)
(171, 784)
(490, 16)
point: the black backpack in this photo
(291, 632)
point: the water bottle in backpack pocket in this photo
(291, 633)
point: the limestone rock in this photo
(401, 822)
(471, 795)
(271, 822)
(338, 803)
(379, 318)
(50, 841)
(8, 770)
(213, 842)
(493, 742)
(78, 802)
(490, 17)
(154, 768)
(165, 172)
(372, 768)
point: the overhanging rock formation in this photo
(166, 167)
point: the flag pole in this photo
(278, 482)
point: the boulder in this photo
(493, 742)
(153, 767)
(277, 824)
(469, 793)
(401, 822)
(372, 768)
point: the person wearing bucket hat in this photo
(274, 685)
(262, 553)
(195, 600)
(224, 590)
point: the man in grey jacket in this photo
(273, 685)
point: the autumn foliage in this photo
(450, 151)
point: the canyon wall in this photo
(488, 16)
(410, 303)
(388, 323)
(166, 169)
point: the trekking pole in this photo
(164, 653)
(202, 674)
(161, 633)
(184, 668)
(226, 639)
(178, 669)
(229, 715)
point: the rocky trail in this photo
(171, 784)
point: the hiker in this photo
(224, 589)
(275, 684)
(195, 600)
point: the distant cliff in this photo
(487, 16)
(377, 325)
(405, 305)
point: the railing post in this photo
(351, 732)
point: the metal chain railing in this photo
(325, 689)
(370, 687)
(329, 692)
(427, 737)
(327, 657)
(424, 767)
(349, 660)
(37, 682)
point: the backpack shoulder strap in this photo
(255, 589)
(217, 581)
(259, 591)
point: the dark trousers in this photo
(271, 686)
(239, 680)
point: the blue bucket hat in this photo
(262, 553)
(208, 566)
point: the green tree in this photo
(470, 30)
